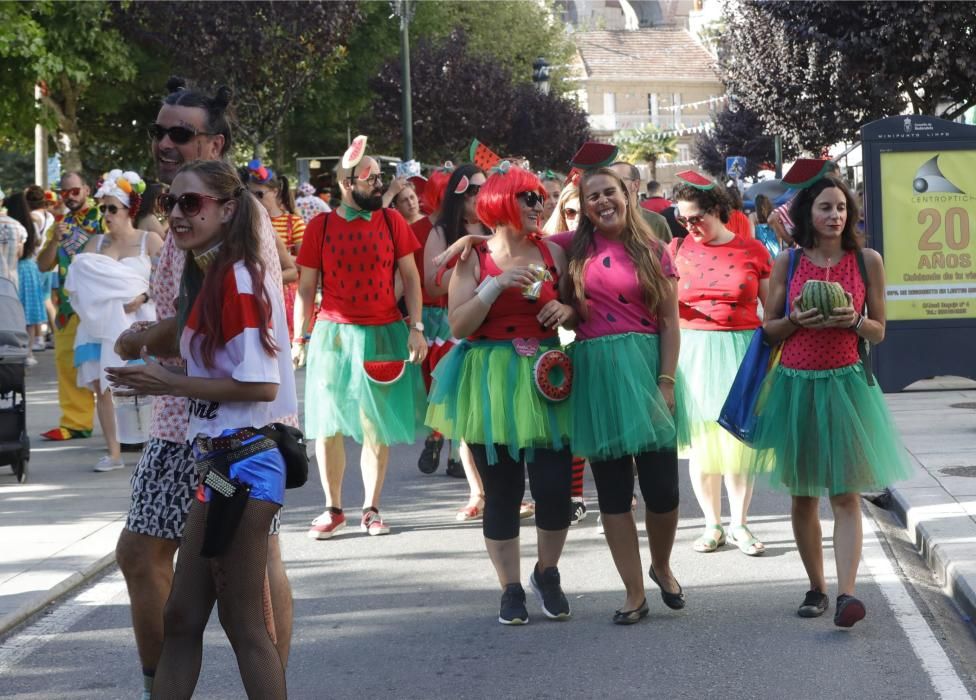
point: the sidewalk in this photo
(60, 528)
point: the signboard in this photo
(735, 167)
(920, 214)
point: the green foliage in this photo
(647, 144)
(738, 132)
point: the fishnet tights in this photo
(236, 582)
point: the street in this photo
(413, 614)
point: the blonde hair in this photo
(643, 249)
(557, 220)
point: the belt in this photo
(228, 442)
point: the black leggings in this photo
(658, 476)
(550, 479)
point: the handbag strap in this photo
(863, 348)
(789, 279)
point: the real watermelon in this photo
(384, 371)
(482, 156)
(822, 296)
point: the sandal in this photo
(470, 512)
(748, 544)
(707, 542)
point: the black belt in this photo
(222, 460)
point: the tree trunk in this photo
(653, 164)
(69, 136)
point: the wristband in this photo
(665, 378)
(489, 290)
(299, 341)
(858, 322)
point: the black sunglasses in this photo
(190, 202)
(110, 208)
(472, 191)
(177, 134)
(531, 198)
(687, 221)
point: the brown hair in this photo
(707, 200)
(801, 211)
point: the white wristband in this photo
(489, 290)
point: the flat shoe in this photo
(675, 601)
(707, 541)
(631, 617)
(849, 610)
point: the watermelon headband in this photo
(463, 184)
(482, 156)
(259, 173)
(502, 168)
(594, 155)
(696, 180)
(805, 172)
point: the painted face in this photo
(552, 189)
(829, 213)
(198, 216)
(367, 185)
(74, 192)
(408, 204)
(171, 155)
(703, 226)
(471, 197)
(114, 212)
(605, 203)
(571, 212)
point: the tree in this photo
(815, 71)
(738, 132)
(647, 144)
(548, 129)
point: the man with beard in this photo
(65, 240)
(191, 125)
(355, 250)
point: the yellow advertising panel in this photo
(928, 201)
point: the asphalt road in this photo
(412, 615)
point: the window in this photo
(652, 109)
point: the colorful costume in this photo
(436, 328)
(822, 423)
(356, 252)
(291, 230)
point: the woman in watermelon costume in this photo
(627, 399)
(825, 422)
(484, 391)
(721, 277)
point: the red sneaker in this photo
(326, 525)
(373, 524)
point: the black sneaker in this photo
(512, 610)
(577, 511)
(431, 456)
(814, 604)
(849, 611)
(550, 593)
(455, 469)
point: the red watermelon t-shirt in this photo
(718, 285)
(357, 260)
(421, 230)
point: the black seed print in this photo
(606, 261)
(645, 322)
(611, 318)
(510, 329)
(742, 286)
(621, 299)
(714, 257)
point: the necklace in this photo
(204, 259)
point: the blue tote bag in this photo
(739, 412)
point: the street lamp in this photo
(540, 74)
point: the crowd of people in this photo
(528, 322)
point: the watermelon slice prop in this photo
(462, 185)
(594, 155)
(804, 172)
(355, 153)
(384, 372)
(482, 156)
(553, 375)
(696, 180)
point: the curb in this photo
(955, 582)
(12, 620)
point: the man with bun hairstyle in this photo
(191, 125)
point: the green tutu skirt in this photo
(436, 327)
(616, 405)
(708, 362)
(827, 429)
(341, 400)
(484, 393)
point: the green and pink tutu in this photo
(708, 362)
(340, 399)
(436, 328)
(827, 430)
(484, 393)
(616, 405)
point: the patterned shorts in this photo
(163, 486)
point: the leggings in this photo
(658, 476)
(550, 476)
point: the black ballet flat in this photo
(631, 617)
(675, 601)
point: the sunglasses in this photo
(570, 213)
(530, 198)
(190, 202)
(687, 221)
(110, 208)
(177, 134)
(72, 192)
(472, 191)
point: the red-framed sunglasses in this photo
(190, 202)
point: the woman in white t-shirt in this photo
(236, 380)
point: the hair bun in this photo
(175, 84)
(223, 97)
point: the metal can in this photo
(533, 291)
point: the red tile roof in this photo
(650, 54)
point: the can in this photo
(533, 291)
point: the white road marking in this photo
(930, 653)
(63, 617)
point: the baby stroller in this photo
(14, 443)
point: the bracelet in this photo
(489, 290)
(858, 322)
(299, 341)
(665, 378)
(145, 297)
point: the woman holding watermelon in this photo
(504, 300)
(825, 422)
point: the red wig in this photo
(497, 201)
(433, 194)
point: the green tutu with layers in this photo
(341, 400)
(616, 405)
(436, 327)
(708, 363)
(484, 393)
(827, 429)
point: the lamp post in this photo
(403, 10)
(540, 74)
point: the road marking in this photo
(930, 653)
(60, 620)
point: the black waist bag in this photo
(291, 444)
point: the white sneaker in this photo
(40, 345)
(31, 361)
(107, 464)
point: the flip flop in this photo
(748, 544)
(707, 542)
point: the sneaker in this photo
(814, 604)
(59, 434)
(431, 456)
(577, 513)
(40, 345)
(455, 469)
(107, 464)
(849, 610)
(326, 525)
(31, 361)
(512, 610)
(373, 524)
(550, 593)
(526, 510)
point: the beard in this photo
(372, 202)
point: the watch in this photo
(418, 326)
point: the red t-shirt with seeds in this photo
(718, 285)
(421, 230)
(358, 260)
